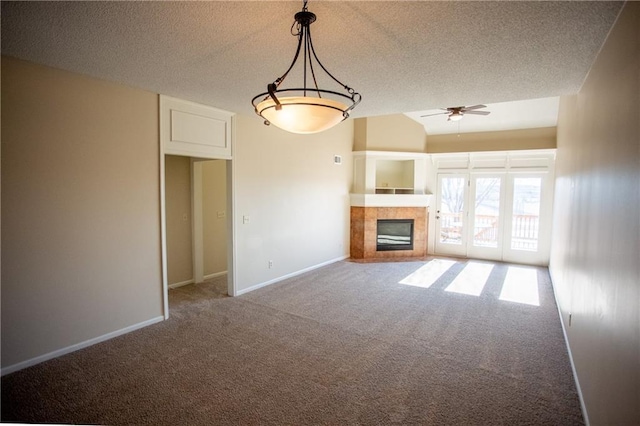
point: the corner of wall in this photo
(360, 134)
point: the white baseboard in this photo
(214, 275)
(583, 407)
(293, 274)
(46, 357)
(181, 283)
(206, 277)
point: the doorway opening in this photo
(197, 213)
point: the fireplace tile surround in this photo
(364, 222)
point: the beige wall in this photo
(509, 140)
(389, 133)
(80, 211)
(179, 219)
(360, 134)
(296, 199)
(214, 201)
(595, 259)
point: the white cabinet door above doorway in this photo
(194, 130)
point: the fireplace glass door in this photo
(394, 234)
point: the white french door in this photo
(494, 216)
(528, 218)
(451, 214)
(486, 230)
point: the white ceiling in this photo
(528, 114)
(401, 56)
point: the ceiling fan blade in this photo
(469, 108)
(477, 112)
(437, 113)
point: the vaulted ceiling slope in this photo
(401, 56)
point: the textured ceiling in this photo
(401, 56)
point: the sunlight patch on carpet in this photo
(521, 286)
(472, 279)
(428, 274)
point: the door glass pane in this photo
(451, 208)
(487, 212)
(526, 213)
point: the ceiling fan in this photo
(456, 113)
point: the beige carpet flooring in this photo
(344, 344)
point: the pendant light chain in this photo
(347, 88)
(313, 73)
(305, 36)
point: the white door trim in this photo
(197, 221)
(231, 226)
(163, 236)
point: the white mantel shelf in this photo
(390, 200)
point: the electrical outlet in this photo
(245, 220)
(270, 264)
(184, 217)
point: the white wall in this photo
(81, 210)
(296, 198)
(595, 258)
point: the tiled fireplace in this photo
(364, 235)
(389, 186)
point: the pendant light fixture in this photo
(308, 109)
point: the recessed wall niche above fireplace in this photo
(394, 234)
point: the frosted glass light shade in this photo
(455, 116)
(302, 115)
